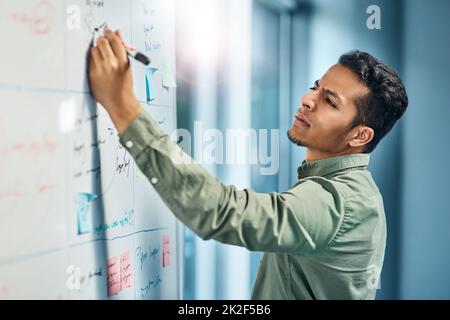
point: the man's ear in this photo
(362, 135)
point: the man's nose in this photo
(309, 101)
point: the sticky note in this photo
(84, 212)
(166, 260)
(126, 271)
(166, 250)
(114, 281)
(149, 90)
(168, 81)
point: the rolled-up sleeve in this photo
(303, 219)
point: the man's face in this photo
(323, 121)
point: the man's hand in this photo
(111, 81)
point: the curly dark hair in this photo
(386, 101)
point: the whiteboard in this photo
(78, 218)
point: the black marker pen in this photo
(137, 55)
(130, 51)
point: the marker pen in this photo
(137, 55)
(132, 52)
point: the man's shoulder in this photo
(355, 183)
(348, 184)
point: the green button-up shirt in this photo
(324, 238)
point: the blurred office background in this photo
(246, 64)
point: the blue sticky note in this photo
(149, 91)
(84, 212)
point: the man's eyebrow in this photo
(332, 93)
(329, 92)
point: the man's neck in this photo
(314, 154)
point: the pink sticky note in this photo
(126, 271)
(114, 283)
(166, 247)
(166, 243)
(166, 250)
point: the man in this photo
(325, 237)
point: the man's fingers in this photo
(95, 58)
(117, 45)
(119, 34)
(105, 48)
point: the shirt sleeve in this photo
(302, 219)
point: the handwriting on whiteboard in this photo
(125, 270)
(95, 3)
(39, 184)
(152, 284)
(126, 220)
(143, 255)
(123, 163)
(34, 148)
(39, 20)
(149, 28)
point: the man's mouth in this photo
(300, 121)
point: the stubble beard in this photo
(295, 140)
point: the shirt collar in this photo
(324, 167)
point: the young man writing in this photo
(324, 236)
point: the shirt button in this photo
(129, 144)
(154, 180)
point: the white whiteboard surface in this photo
(78, 219)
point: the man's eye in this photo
(313, 88)
(330, 102)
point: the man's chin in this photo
(294, 139)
